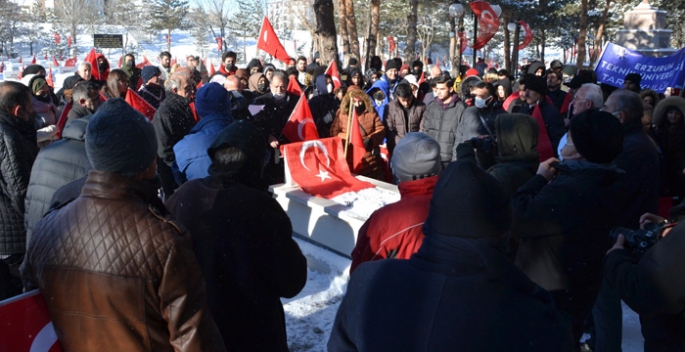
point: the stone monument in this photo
(644, 31)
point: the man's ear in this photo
(15, 110)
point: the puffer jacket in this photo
(371, 128)
(396, 230)
(128, 281)
(56, 165)
(396, 124)
(18, 149)
(440, 122)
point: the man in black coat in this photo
(564, 224)
(458, 292)
(86, 100)
(554, 92)
(172, 121)
(243, 242)
(18, 147)
(536, 100)
(324, 105)
(479, 120)
(442, 118)
(278, 105)
(640, 161)
(653, 286)
(57, 164)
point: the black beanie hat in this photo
(597, 136)
(537, 84)
(148, 72)
(390, 64)
(468, 202)
(242, 135)
(352, 61)
(634, 77)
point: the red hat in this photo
(471, 72)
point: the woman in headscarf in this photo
(258, 84)
(669, 132)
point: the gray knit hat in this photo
(120, 139)
(416, 156)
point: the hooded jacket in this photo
(440, 122)
(563, 226)
(253, 84)
(372, 131)
(18, 149)
(671, 141)
(324, 106)
(255, 63)
(133, 73)
(243, 242)
(389, 90)
(56, 165)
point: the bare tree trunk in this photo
(507, 42)
(455, 44)
(352, 29)
(583, 34)
(600, 33)
(342, 12)
(543, 39)
(168, 40)
(410, 48)
(372, 37)
(325, 28)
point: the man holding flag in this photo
(358, 124)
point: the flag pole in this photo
(349, 127)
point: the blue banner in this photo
(658, 73)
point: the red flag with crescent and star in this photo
(488, 23)
(145, 62)
(269, 42)
(528, 37)
(33, 61)
(544, 143)
(70, 62)
(27, 325)
(54, 62)
(332, 71)
(319, 168)
(300, 126)
(210, 69)
(293, 86)
(50, 79)
(62, 121)
(138, 103)
(356, 149)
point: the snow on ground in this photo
(363, 203)
(309, 316)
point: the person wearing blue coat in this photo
(458, 292)
(386, 85)
(213, 105)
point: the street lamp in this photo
(516, 27)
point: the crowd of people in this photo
(162, 234)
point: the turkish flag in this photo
(92, 59)
(54, 62)
(138, 103)
(220, 42)
(21, 73)
(356, 150)
(544, 143)
(294, 87)
(68, 40)
(488, 23)
(145, 62)
(528, 36)
(210, 69)
(57, 38)
(21, 60)
(33, 61)
(319, 168)
(62, 121)
(269, 42)
(50, 79)
(463, 42)
(70, 62)
(27, 325)
(300, 126)
(332, 71)
(194, 110)
(391, 44)
(422, 79)
(121, 60)
(566, 104)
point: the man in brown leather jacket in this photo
(116, 273)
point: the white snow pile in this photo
(309, 316)
(362, 204)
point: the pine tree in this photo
(168, 15)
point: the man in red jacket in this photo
(395, 230)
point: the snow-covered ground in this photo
(310, 315)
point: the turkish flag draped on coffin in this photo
(332, 71)
(488, 23)
(138, 103)
(319, 168)
(300, 126)
(269, 42)
(26, 324)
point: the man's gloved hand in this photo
(465, 150)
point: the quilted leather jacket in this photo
(117, 274)
(18, 150)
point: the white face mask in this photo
(329, 87)
(480, 102)
(278, 97)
